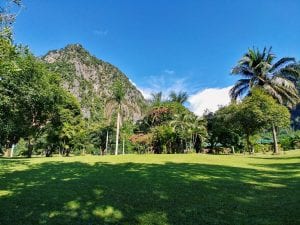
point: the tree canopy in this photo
(258, 69)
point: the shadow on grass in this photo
(134, 193)
(290, 167)
(277, 157)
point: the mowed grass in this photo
(151, 189)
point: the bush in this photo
(21, 148)
(262, 148)
(290, 140)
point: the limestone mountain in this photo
(91, 81)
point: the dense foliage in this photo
(71, 102)
(39, 113)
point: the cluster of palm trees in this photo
(157, 98)
(191, 130)
(183, 130)
(278, 79)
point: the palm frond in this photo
(181, 97)
(242, 70)
(286, 93)
(290, 99)
(274, 93)
(283, 62)
(277, 79)
(173, 96)
(282, 82)
(239, 89)
(264, 53)
(291, 72)
(270, 56)
(156, 98)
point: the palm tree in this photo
(259, 70)
(189, 127)
(180, 126)
(181, 97)
(156, 98)
(118, 96)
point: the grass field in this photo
(151, 189)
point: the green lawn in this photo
(151, 189)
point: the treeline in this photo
(38, 116)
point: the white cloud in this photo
(146, 92)
(134, 84)
(162, 84)
(210, 98)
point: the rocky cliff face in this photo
(91, 80)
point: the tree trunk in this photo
(117, 135)
(191, 143)
(198, 144)
(106, 143)
(12, 150)
(248, 143)
(275, 145)
(123, 147)
(30, 148)
(48, 152)
(7, 150)
(250, 147)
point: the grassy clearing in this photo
(151, 189)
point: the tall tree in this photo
(260, 111)
(65, 125)
(118, 95)
(190, 129)
(222, 128)
(258, 69)
(180, 123)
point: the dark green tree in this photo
(66, 125)
(222, 128)
(260, 111)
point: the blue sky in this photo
(161, 45)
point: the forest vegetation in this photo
(70, 102)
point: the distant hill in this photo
(90, 80)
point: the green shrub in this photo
(21, 148)
(263, 148)
(290, 140)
